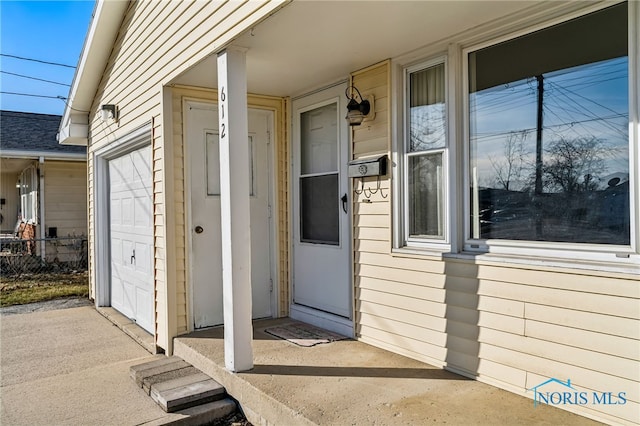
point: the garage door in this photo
(130, 198)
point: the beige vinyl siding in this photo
(513, 326)
(65, 207)
(157, 41)
(178, 95)
(9, 192)
(65, 197)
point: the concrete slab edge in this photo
(130, 328)
(259, 407)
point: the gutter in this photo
(98, 45)
(48, 155)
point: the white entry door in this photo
(205, 235)
(131, 232)
(321, 199)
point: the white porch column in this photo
(235, 212)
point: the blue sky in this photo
(51, 31)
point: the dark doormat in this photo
(303, 334)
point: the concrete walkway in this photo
(70, 367)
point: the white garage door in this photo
(131, 230)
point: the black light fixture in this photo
(356, 111)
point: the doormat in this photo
(303, 334)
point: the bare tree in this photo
(510, 166)
(573, 165)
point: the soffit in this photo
(311, 43)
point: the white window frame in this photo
(405, 240)
(29, 201)
(550, 251)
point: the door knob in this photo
(199, 229)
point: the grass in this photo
(42, 287)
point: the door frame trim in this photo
(136, 139)
(272, 191)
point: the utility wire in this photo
(70, 107)
(35, 78)
(62, 98)
(35, 96)
(486, 135)
(37, 60)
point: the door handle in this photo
(133, 256)
(344, 202)
(199, 229)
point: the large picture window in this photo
(548, 134)
(425, 149)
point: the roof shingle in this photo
(27, 131)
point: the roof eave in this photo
(47, 155)
(103, 30)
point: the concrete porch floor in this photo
(351, 383)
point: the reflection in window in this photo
(549, 142)
(319, 147)
(426, 144)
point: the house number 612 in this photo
(223, 127)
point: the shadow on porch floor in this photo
(350, 382)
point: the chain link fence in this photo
(28, 257)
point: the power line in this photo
(70, 107)
(35, 96)
(36, 60)
(479, 135)
(35, 78)
(62, 98)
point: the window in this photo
(425, 154)
(319, 184)
(548, 134)
(29, 195)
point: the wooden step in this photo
(188, 391)
(176, 385)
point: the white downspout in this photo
(43, 245)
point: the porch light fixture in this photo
(109, 112)
(356, 111)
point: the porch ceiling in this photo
(14, 165)
(309, 44)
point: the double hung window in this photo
(425, 154)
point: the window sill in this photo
(437, 253)
(629, 266)
(607, 264)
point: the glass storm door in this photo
(321, 249)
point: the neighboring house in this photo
(502, 242)
(43, 185)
